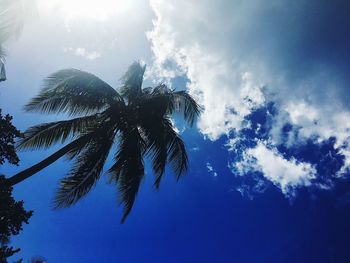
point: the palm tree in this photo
(137, 118)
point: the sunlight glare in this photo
(94, 9)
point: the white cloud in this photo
(195, 149)
(82, 52)
(223, 85)
(89, 55)
(211, 169)
(237, 57)
(286, 174)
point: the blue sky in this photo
(269, 156)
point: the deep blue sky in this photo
(198, 219)
(269, 158)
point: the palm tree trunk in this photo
(21, 176)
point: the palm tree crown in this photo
(137, 118)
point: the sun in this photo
(93, 9)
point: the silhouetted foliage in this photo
(138, 118)
(12, 216)
(12, 213)
(8, 134)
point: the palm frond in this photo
(74, 92)
(187, 105)
(86, 171)
(132, 81)
(157, 103)
(11, 19)
(108, 120)
(11, 24)
(177, 156)
(47, 134)
(165, 145)
(128, 169)
(176, 150)
(164, 101)
(156, 147)
(159, 159)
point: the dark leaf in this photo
(132, 81)
(47, 134)
(128, 169)
(165, 145)
(86, 171)
(163, 101)
(74, 92)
